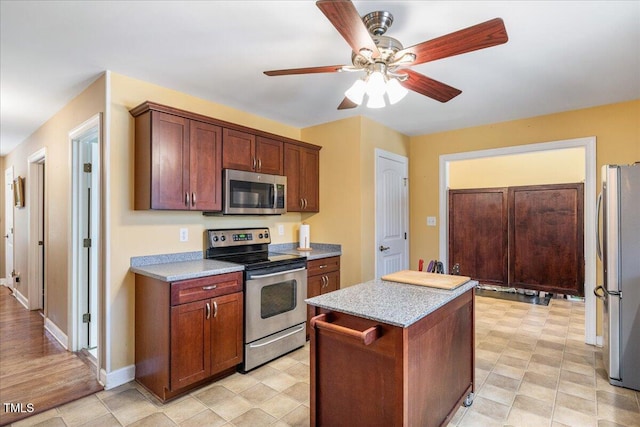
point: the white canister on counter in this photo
(305, 240)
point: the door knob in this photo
(384, 248)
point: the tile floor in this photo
(532, 369)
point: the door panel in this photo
(205, 153)
(226, 332)
(546, 246)
(478, 233)
(8, 228)
(190, 343)
(391, 214)
(170, 168)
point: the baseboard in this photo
(599, 340)
(3, 281)
(118, 377)
(57, 333)
(21, 298)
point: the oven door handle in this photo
(279, 273)
(301, 328)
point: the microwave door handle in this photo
(274, 198)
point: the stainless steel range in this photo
(275, 287)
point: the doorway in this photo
(588, 145)
(8, 227)
(36, 231)
(85, 229)
(392, 213)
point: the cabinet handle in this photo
(186, 199)
(208, 307)
(259, 164)
(209, 288)
(305, 204)
(367, 336)
(254, 164)
(322, 282)
(193, 199)
(215, 309)
(301, 203)
(323, 266)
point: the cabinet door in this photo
(205, 148)
(332, 282)
(226, 332)
(546, 242)
(292, 163)
(310, 179)
(238, 150)
(478, 233)
(302, 166)
(269, 155)
(169, 161)
(190, 344)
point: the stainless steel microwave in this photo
(250, 193)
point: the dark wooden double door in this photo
(526, 237)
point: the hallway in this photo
(36, 372)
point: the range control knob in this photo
(222, 238)
(214, 238)
(266, 235)
(260, 236)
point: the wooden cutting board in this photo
(433, 280)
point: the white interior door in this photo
(8, 226)
(392, 213)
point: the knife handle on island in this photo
(420, 264)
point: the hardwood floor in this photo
(36, 372)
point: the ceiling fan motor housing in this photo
(378, 22)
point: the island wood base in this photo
(369, 373)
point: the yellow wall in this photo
(347, 189)
(559, 166)
(616, 128)
(137, 233)
(54, 137)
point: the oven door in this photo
(274, 301)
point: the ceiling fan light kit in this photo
(386, 61)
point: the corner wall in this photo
(53, 135)
(2, 218)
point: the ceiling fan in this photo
(386, 61)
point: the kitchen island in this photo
(391, 354)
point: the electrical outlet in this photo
(280, 230)
(431, 221)
(184, 234)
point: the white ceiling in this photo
(561, 55)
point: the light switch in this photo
(431, 221)
(184, 234)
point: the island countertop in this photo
(392, 303)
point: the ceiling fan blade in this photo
(347, 103)
(486, 34)
(345, 18)
(307, 70)
(428, 87)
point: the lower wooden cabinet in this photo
(323, 276)
(187, 332)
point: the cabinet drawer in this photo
(205, 287)
(323, 265)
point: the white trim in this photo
(104, 344)
(21, 298)
(34, 270)
(57, 333)
(378, 152)
(91, 128)
(599, 340)
(589, 146)
(118, 377)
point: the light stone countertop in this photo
(182, 270)
(191, 265)
(392, 303)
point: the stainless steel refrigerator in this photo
(619, 250)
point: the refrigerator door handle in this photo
(598, 244)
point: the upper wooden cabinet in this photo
(248, 152)
(177, 163)
(302, 168)
(179, 157)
